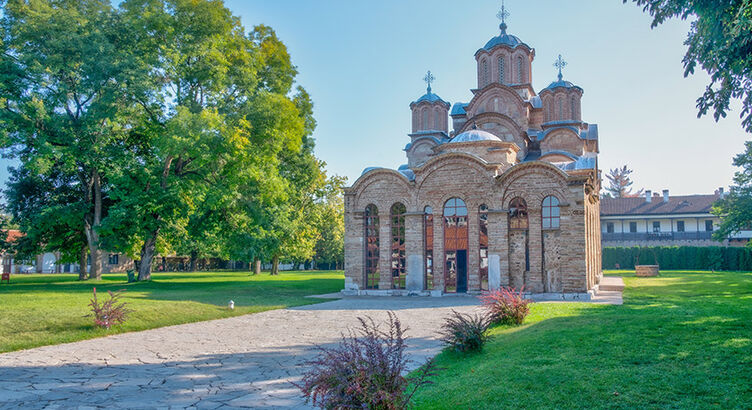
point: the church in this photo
(507, 198)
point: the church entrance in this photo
(455, 246)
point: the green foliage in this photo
(735, 208)
(662, 348)
(680, 257)
(720, 41)
(330, 245)
(619, 184)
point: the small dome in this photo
(561, 84)
(431, 98)
(475, 135)
(504, 39)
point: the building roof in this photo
(561, 84)
(475, 135)
(12, 235)
(459, 109)
(677, 204)
(504, 39)
(431, 98)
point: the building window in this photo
(428, 241)
(455, 246)
(483, 245)
(520, 70)
(426, 124)
(709, 225)
(399, 272)
(679, 226)
(657, 226)
(610, 227)
(518, 214)
(371, 219)
(551, 213)
(633, 227)
(114, 259)
(573, 108)
(501, 69)
(561, 109)
(437, 120)
(484, 79)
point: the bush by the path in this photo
(465, 333)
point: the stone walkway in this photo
(245, 361)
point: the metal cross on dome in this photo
(560, 64)
(503, 13)
(429, 78)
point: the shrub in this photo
(365, 370)
(110, 312)
(506, 306)
(465, 333)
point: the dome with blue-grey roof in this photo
(561, 84)
(431, 98)
(505, 39)
(475, 135)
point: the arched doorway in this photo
(455, 246)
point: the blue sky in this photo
(363, 63)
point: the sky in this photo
(363, 63)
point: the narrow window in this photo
(501, 69)
(483, 233)
(561, 109)
(399, 273)
(114, 259)
(437, 119)
(428, 241)
(551, 213)
(709, 225)
(518, 214)
(573, 107)
(656, 226)
(679, 226)
(371, 219)
(485, 73)
(633, 227)
(426, 123)
(520, 70)
(610, 227)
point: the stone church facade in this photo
(508, 198)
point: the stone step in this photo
(611, 284)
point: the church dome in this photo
(431, 98)
(475, 135)
(560, 84)
(504, 39)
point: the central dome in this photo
(504, 39)
(475, 135)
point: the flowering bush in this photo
(506, 305)
(465, 333)
(110, 312)
(365, 370)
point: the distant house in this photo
(663, 220)
(50, 262)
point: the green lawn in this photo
(37, 310)
(683, 340)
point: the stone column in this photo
(354, 247)
(385, 251)
(438, 252)
(498, 250)
(473, 250)
(414, 251)
(535, 244)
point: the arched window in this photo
(426, 124)
(484, 81)
(371, 219)
(415, 121)
(520, 70)
(501, 69)
(518, 214)
(428, 241)
(455, 246)
(550, 213)
(561, 109)
(399, 273)
(573, 107)
(483, 241)
(437, 119)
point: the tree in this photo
(330, 245)
(619, 184)
(63, 66)
(735, 208)
(720, 41)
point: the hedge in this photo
(680, 257)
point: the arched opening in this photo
(501, 69)
(484, 73)
(399, 273)
(428, 251)
(455, 246)
(371, 220)
(520, 70)
(550, 213)
(518, 214)
(483, 245)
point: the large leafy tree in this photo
(620, 184)
(720, 42)
(735, 208)
(63, 103)
(330, 244)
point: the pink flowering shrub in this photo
(110, 312)
(506, 305)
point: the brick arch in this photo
(494, 90)
(424, 172)
(400, 191)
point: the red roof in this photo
(13, 235)
(676, 205)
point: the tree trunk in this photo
(194, 261)
(275, 266)
(257, 266)
(82, 263)
(147, 255)
(92, 236)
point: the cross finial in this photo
(429, 78)
(502, 15)
(560, 64)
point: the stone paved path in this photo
(245, 361)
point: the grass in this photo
(38, 310)
(682, 340)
